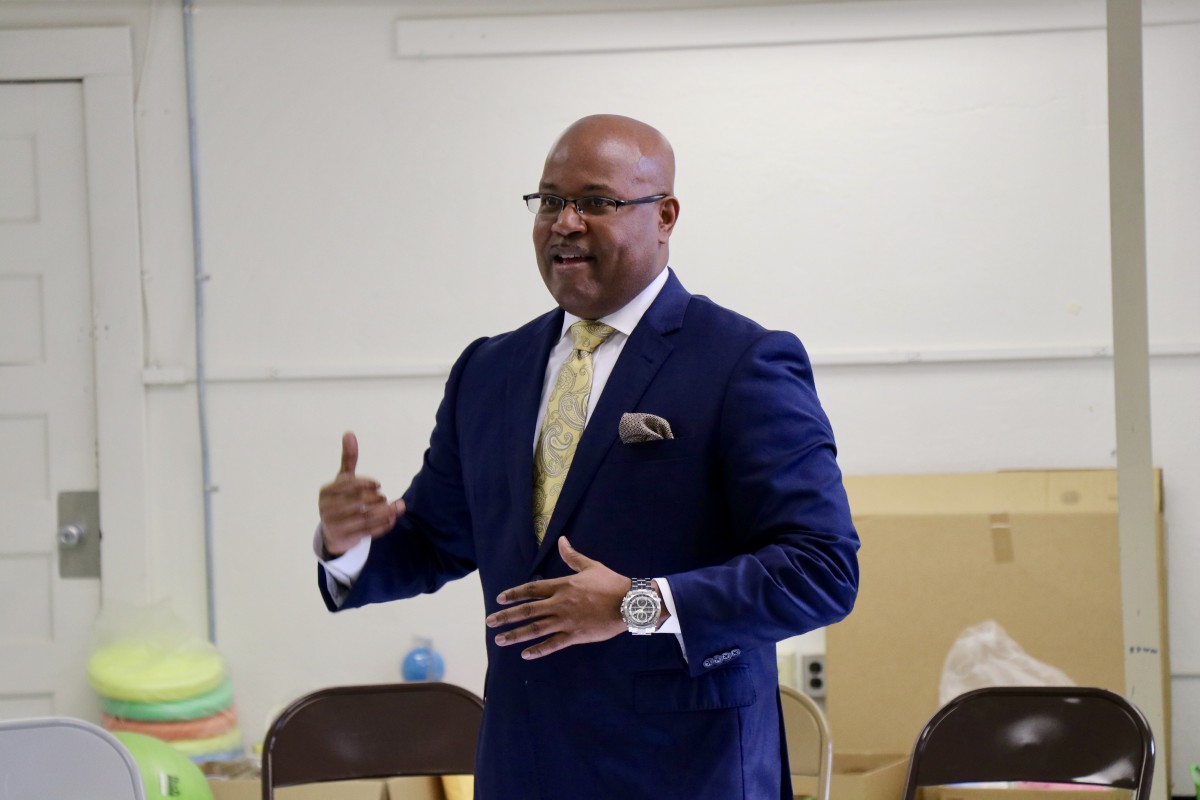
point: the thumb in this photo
(572, 557)
(349, 453)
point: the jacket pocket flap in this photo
(665, 692)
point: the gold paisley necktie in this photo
(565, 415)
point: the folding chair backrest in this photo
(1047, 734)
(378, 731)
(809, 747)
(57, 758)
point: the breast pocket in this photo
(661, 450)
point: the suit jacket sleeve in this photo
(798, 567)
(429, 547)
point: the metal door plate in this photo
(78, 534)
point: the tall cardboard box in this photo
(1035, 551)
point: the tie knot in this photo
(588, 334)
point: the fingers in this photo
(562, 612)
(561, 634)
(549, 610)
(343, 535)
(347, 498)
(532, 598)
(537, 626)
(353, 507)
(349, 453)
(555, 643)
(360, 516)
(346, 495)
(348, 487)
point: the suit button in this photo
(736, 652)
(708, 662)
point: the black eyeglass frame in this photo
(575, 201)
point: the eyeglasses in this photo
(551, 205)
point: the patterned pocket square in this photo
(637, 427)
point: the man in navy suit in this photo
(702, 505)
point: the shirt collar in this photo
(626, 318)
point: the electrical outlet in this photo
(812, 676)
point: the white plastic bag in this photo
(146, 654)
(985, 655)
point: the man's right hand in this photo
(353, 507)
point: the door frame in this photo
(101, 59)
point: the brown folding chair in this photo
(1068, 735)
(378, 731)
(809, 747)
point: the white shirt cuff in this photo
(672, 623)
(341, 572)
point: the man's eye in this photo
(552, 203)
(596, 204)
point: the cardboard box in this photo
(454, 787)
(1037, 552)
(859, 776)
(970, 793)
(240, 781)
(803, 786)
(251, 789)
(415, 788)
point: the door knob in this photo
(71, 536)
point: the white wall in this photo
(928, 213)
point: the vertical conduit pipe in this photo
(200, 278)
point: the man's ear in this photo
(668, 215)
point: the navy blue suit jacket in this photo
(743, 512)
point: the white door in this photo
(47, 397)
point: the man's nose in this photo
(569, 220)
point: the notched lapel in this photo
(523, 394)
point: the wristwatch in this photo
(641, 607)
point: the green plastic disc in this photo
(204, 705)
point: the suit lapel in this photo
(648, 348)
(522, 396)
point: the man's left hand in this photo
(579, 608)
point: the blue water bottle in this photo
(423, 663)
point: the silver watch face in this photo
(641, 609)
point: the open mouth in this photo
(570, 256)
(571, 261)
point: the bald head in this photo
(595, 262)
(640, 149)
